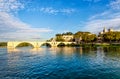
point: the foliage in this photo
(111, 36)
(67, 33)
(59, 37)
(3, 43)
(58, 34)
(78, 34)
(86, 36)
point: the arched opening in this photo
(45, 45)
(61, 45)
(71, 45)
(24, 45)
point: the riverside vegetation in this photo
(88, 39)
(3, 44)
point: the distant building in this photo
(105, 30)
(78, 40)
(53, 40)
(67, 37)
(99, 38)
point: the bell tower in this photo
(104, 30)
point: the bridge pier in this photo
(10, 45)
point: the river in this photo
(60, 63)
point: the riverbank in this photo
(4, 44)
(93, 45)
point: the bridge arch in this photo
(15, 44)
(61, 44)
(21, 44)
(46, 44)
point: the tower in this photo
(104, 30)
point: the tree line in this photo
(3, 44)
(78, 36)
(110, 36)
(88, 37)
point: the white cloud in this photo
(109, 18)
(12, 28)
(115, 4)
(106, 19)
(97, 25)
(51, 10)
(10, 5)
(100, 15)
(48, 10)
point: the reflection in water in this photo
(37, 49)
(100, 55)
(54, 49)
(68, 50)
(112, 53)
(81, 50)
(10, 50)
(60, 62)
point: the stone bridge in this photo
(14, 44)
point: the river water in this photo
(60, 63)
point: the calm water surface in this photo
(60, 63)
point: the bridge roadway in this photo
(35, 44)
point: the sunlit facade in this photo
(105, 30)
(67, 37)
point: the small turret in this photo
(104, 30)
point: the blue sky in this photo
(42, 19)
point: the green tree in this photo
(3, 43)
(109, 36)
(78, 34)
(59, 37)
(86, 36)
(91, 38)
(67, 33)
(117, 36)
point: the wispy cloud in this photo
(92, 0)
(97, 25)
(106, 19)
(12, 28)
(97, 16)
(115, 4)
(51, 10)
(109, 18)
(10, 5)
